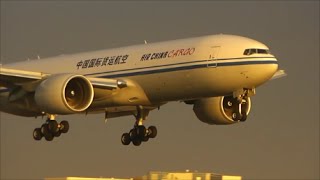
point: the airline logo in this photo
(100, 62)
(168, 54)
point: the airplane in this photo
(217, 74)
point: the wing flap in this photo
(118, 111)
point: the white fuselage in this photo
(184, 69)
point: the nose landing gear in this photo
(139, 133)
(240, 103)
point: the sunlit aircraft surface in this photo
(217, 74)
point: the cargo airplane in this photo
(217, 74)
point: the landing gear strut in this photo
(139, 133)
(50, 129)
(240, 108)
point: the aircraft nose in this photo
(262, 72)
(270, 68)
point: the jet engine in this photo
(64, 94)
(222, 110)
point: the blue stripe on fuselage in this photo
(187, 67)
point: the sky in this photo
(280, 139)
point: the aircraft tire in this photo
(57, 134)
(152, 132)
(64, 126)
(49, 137)
(146, 138)
(45, 129)
(125, 139)
(243, 117)
(141, 131)
(133, 134)
(136, 142)
(53, 126)
(37, 135)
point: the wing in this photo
(15, 77)
(279, 74)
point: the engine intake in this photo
(221, 110)
(64, 94)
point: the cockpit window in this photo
(246, 52)
(255, 51)
(262, 51)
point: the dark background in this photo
(280, 139)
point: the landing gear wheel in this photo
(125, 139)
(136, 141)
(46, 133)
(51, 129)
(141, 131)
(64, 126)
(243, 117)
(45, 129)
(49, 137)
(37, 135)
(145, 139)
(57, 134)
(53, 126)
(152, 132)
(133, 134)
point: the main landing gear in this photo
(139, 133)
(50, 129)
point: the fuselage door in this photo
(213, 56)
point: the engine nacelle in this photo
(64, 94)
(220, 110)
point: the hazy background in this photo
(280, 140)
